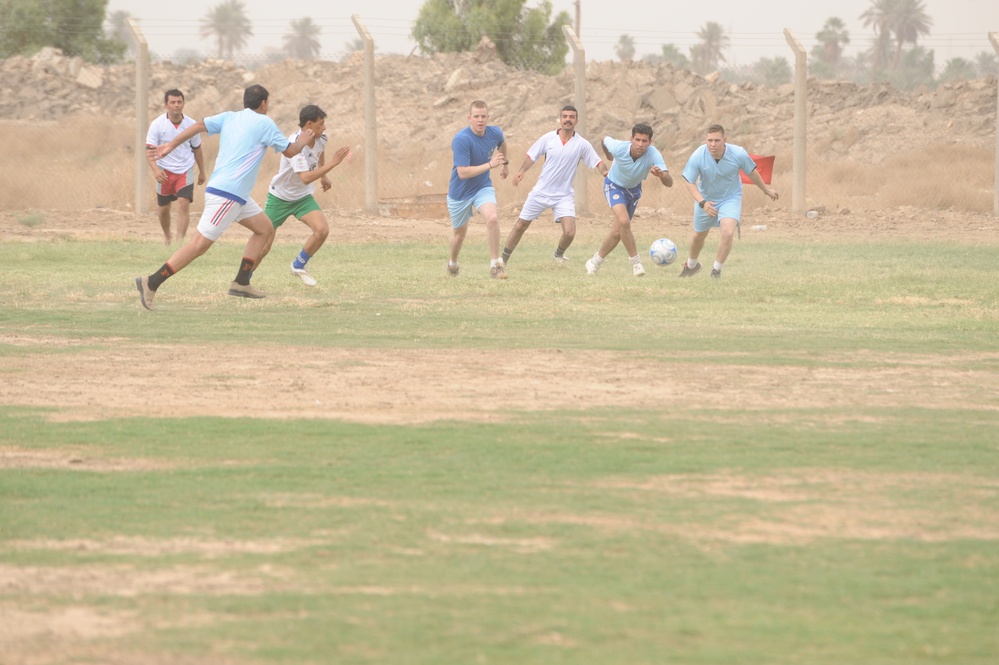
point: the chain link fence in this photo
(70, 128)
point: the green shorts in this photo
(278, 210)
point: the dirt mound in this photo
(422, 101)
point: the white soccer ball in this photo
(663, 252)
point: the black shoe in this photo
(690, 272)
(715, 273)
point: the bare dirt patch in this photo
(341, 384)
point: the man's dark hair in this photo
(173, 92)
(716, 129)
(310, 112)
(570, 107)
(642, 128)
(254, 96)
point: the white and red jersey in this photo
(561, 160)
(162, 130)
(287, 185)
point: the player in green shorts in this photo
(290, 191)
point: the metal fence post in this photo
(579, 66)
(800, 123)
(370, 126)
(994, 38)
(141, 112)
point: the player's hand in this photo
(339, 156)
(326, 184)
(201, 177)
(504, 170)
(709, 207)
(517, 177)
(498, 159)
(772, 193)
(161, 175)
(163, 150)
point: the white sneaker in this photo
(303, 274)
(638, 270)
(591, 267)
(560, 260)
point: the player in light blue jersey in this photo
(712, 178)
(633, 161)
(244, 138)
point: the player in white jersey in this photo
(290, 192)
(174, 173)
(563, 149)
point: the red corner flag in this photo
(764, 164)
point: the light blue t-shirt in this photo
(627, 172)
(720, 179)
(471, 149)
(244, 137)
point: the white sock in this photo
(692, 263)
(597, 259)
(452, 264)
(495, 263)
(635, 260)
(718, 266)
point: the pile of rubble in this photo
(422, 101)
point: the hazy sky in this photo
(960, 27)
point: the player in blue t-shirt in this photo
(244, 137)
(477, 149)
(712, 178)
(632, 161)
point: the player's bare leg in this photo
(457, 240)
(728, 227)
(512, 240)
(183, 217)
(163, 212)
(568, 225)
(316, 221)
(260, 242)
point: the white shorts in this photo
(536, 204)
(221, 212)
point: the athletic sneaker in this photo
(452, 270)
(560, 260)
(240, 291)
(591, 267)
(688, 271)
(497, 272)
(303, 274)
(146, 294)
(716, 273)
(638, 270)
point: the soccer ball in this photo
(663, 252)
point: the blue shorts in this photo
(727, 209)
(461, 211)
(617, 195)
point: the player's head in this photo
(478, 116)
(173, 102)
(714, 138)
(254, 96)
(568, 116)
(310, 113)
(314, 118)
(642, 128)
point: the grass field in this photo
(798, 463)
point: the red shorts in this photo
(175, 185)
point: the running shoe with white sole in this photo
(303, 274)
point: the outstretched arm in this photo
(664, 176)
(758, 181)
(165, 149)
(519, 175)
(325, 167)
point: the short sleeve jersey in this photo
(162, 130)
(627, 172)
(719, 180)
(287, 185)
(470, 149)
(244, 137)
(561, 160)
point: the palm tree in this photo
(230, 27)
(302, 43)
(909, 22)
(832, 38)
(625, 48)
(711, 50)
(986, 63)
(879, 16)
(672, 54)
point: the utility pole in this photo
(578, 33)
